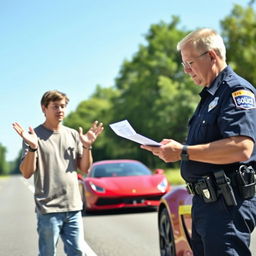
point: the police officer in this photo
(219, 150)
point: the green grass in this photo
(3, 176)
(174, 177)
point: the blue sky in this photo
(72, 46)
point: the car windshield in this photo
(120, 170)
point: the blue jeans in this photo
(68, 225)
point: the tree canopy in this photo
(152, 91)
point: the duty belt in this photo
(218, 183)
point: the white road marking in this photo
(88, 249)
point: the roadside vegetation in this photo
(173, 176)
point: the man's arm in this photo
(28, 165)
(87, 140)
(86, 161)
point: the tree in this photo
(3, 164)
(152, 91)
(239, 33)
(155, 94)
(15, 165)
(98, 107)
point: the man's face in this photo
(55, 111)
(197, 64)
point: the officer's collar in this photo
(216, 82)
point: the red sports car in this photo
(114, 184)
(174, 223)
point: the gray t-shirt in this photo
(55, 178)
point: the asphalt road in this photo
(123, 233)
(120, 234)
(110, 234)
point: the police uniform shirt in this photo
(227, 108)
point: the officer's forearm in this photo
(225, 151)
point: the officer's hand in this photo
(169, 151)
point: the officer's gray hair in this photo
(205, 39)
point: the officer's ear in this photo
(213, 56)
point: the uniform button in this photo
(203, 122)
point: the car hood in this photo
(127, 185)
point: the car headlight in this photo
(97, 188)
(162, 185)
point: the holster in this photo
(246, 181)
(225, 188)
(206, 189)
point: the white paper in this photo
(125, 130)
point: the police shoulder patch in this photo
(244, 99)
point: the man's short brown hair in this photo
(53, 95)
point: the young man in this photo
(218, 160)
(52, 153)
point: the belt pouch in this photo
(248, 191)
(246, 182)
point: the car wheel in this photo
(166, 238)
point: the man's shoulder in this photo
(39, 128)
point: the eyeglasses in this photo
(188, 64)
